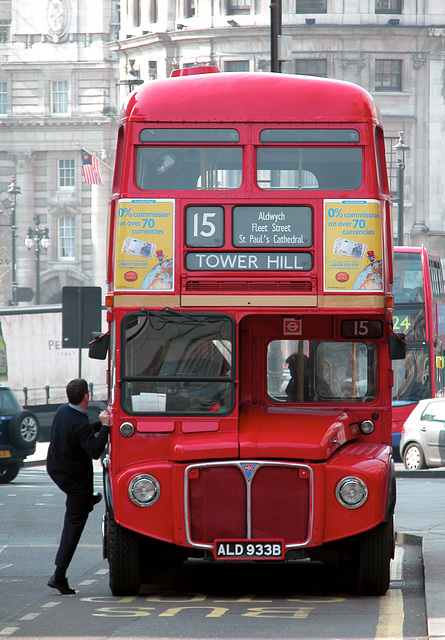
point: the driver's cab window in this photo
(308, 370)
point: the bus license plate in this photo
(248, 550)
(5, 454)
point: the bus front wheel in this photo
(123, 558)
(376, 548)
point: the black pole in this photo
(79, 328)
(275, 32)
(401, 169)
(14, 191)
(13, 252)
(37, 272)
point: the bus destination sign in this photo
(264, 226)
(249, 261)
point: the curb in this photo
(409, 538)
(422, 473)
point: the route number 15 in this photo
(204, 227)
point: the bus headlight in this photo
(351, 492)
(126, 429)
(367, 427)
(144, 490)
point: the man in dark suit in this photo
(74, 443)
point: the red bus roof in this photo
(250, 97)
(417, 249)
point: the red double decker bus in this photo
(250, 328)
(419, 312)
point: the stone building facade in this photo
(58, 93)
(60, 65)
(393, 48)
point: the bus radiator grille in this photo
(222, 500)
(245, 285)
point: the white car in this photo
(423, 436)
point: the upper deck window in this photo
(318, 168)
(309, 135)
(178, 167)
(189, 135)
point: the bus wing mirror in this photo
(397, 346)
(98, 347)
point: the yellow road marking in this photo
(391, 616)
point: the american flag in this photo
(90, 167)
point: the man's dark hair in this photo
(76, 390)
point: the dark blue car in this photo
(19, 430)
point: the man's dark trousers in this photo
(78, 506)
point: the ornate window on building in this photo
(236, 65)
(238, 6)
(66, 238)
(152, 69)
(311, 6)
(59, 97)
(4, 31)
(66, 174)
(189, 8)
(136, 11)
(153, 11)
(312, 67)
(388, 6)
(3, 99)
(391, 165)
(388, 75)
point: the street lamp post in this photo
(38, 238)
(13, 191)
(401, 149)
(132, 78)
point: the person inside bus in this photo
(167, 170)
(300, 387)
(297, 389)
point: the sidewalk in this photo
(428, 525)
(39, 458)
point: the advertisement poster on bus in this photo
(144, 245)
(352, 245)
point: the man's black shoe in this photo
(61, 585)
(96, 498)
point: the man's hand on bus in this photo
(105, 417)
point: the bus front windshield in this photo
(412, 376)
(177, 363)
(408, 278)
(307, 370)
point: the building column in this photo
(25, 211)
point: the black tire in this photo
(9, 472)
(23, 429)
(413, 457)
(376, 548)
(123, 558)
